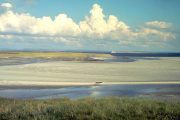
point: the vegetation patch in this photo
(108, 108)
(76, 55)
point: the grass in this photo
(108, 108)
(52, 54)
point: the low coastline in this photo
(49, 85)
(84, 78)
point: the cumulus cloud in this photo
(25, 23)
(95, 26)
(158, 24)
(6, 5)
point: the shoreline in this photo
(49, 85)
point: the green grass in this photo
(109, 108)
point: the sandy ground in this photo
(164, 71)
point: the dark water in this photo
(146, 54)
(131, 57)
(169, 92)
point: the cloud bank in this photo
(95, 26)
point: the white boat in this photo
(113, 52)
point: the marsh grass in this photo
(77, 55)
(108, 108)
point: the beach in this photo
(78, 73)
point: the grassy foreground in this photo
(109, 108)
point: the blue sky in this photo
(122, 25)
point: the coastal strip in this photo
(29, 84)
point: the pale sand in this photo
(164, 71)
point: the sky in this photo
(90, 25)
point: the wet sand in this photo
(152, 91)
(52, 85)
(73, 73)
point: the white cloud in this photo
(158, 24)
(6, 5)
(162, 35)
(25, 23)
(95, 26)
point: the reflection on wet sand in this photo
(158, 91)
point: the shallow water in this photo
(169, 91)
(20, 61)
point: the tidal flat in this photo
(160, 71)
(77, 78)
